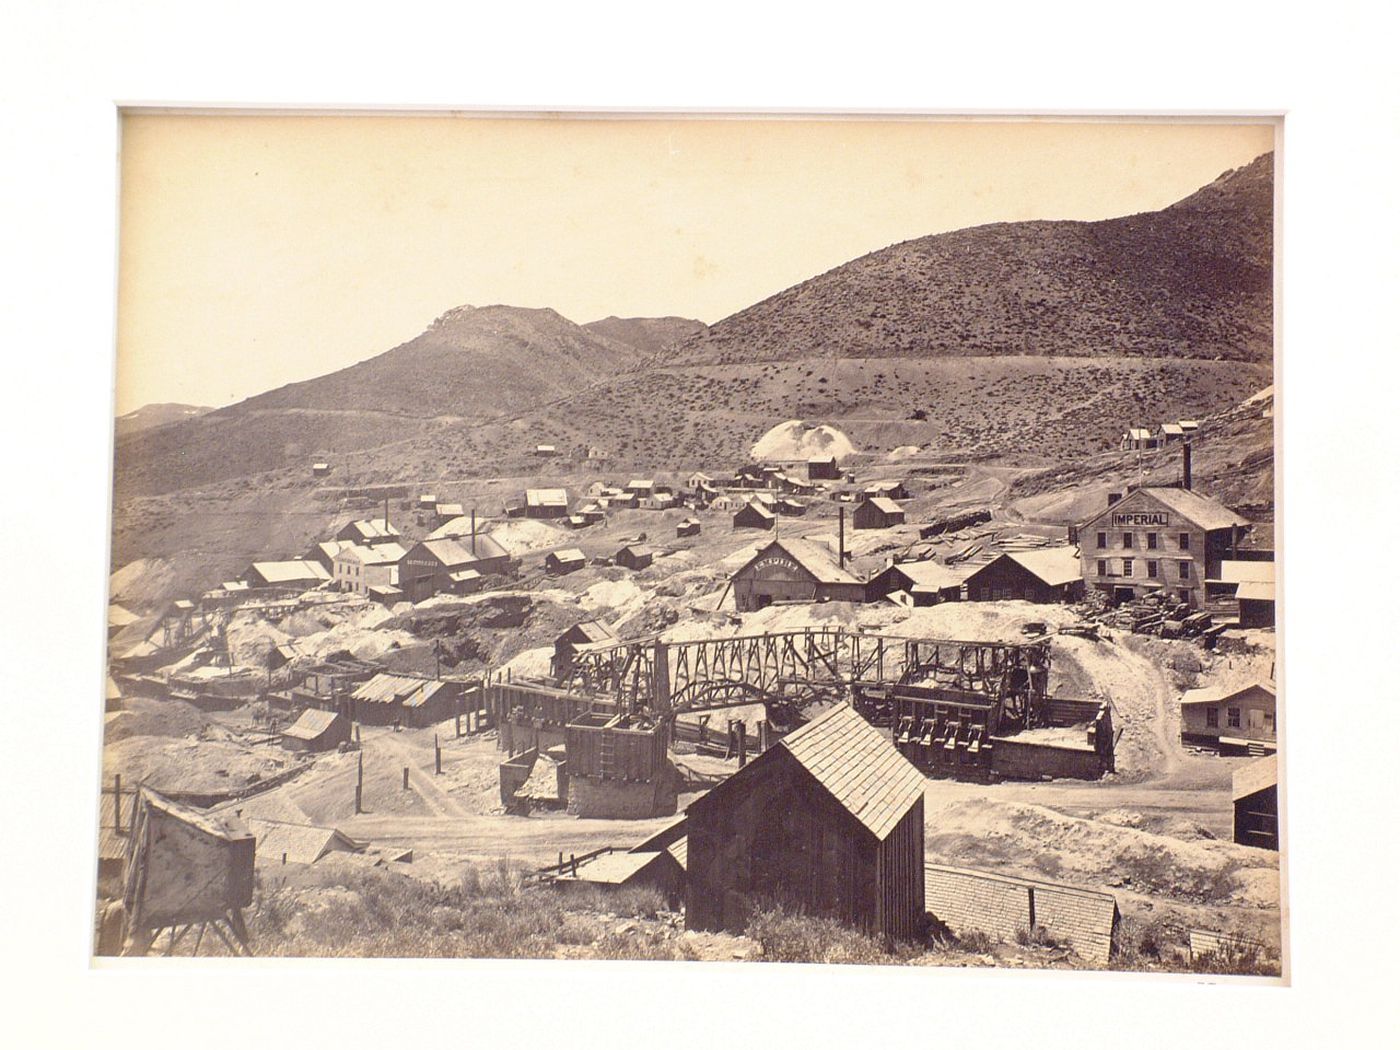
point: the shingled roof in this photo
(858, 767)
(1205, 512)
(966, 899)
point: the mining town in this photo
(735, 644)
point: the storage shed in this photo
(965, 900)
(1254, 791)
(828, 821)
(688, 527)
(877, 512)
(613, 870)
(560, 563)
(928, 582)
(754, 516)
(1050, 575)
(317, 731)
(634, 556)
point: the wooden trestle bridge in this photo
(789, 669)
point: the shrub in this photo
(787, 936)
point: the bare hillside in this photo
(1191, 281)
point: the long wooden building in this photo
(828, 821)
(794, 570)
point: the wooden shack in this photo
(1254, 792)
(966, 900)
(634, 556)
(877, 512)
(829, 821)
(754, 516)
(185, 868)
(609, 870)
(567, 645)
(563, 562)
(687, 527)
(317, 731)
(1043, 576)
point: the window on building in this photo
(1152, 541)
(1183, 541)
(1103, 540)
(1152, 570)
(1127, 566)
(1269, 721)
(1183, 569)
(1103, 567)
(1212, 718)
(1127, 541)
(1232, 717)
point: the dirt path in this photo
(437, 800)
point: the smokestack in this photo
(473, 532)
(386, 513)
(841, 539)
(1186, 466)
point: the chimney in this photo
(1186, 466)
(841, 539)
(473, 532)
(1114, 497)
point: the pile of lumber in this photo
(1164, 616)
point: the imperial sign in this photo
(1142, 518)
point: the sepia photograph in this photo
(760, 538)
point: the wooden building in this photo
(358, 568)
(589, 632)
(618, 767)
(1158, 540)
(546, 503)
(609, 870)
(1256, 603)
(793, 570)
(406, 699)
(926, 582)
(317, 731)
(1003, 907)
(823, 468)
(1045, 576)
(368, 532)
(877, 512)
(560, 563)
(1254, 792)
(687, 527)
(887, 489)
(634, 556)
(320, 470)
(754, 515)
(1237, 721)
(429, 567)
(289, 574)
(1137, 439)
(829, 821)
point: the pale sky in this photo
(262, 250)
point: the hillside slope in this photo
(1193, 281)
(649, 335)
(472, 364)
(157, 415)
